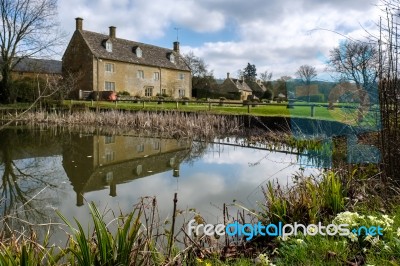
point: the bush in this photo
(320, 98)
(267, 95)
(123, 93)
(25, 90)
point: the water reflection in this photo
(49, 169)
(22, 200)
(94, 162)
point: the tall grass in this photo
(126, 240)
(170, 123)
(105, 248)
(307, 201)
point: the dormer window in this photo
(172, 58)
(109, 46)
(138, 51)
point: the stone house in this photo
(257, 87)
(235, 88)
(34, 68)
(107, 63)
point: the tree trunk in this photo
(5, 85)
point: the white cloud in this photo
(278, 36)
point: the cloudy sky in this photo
(277, 36)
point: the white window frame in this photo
(140, 74)
(148, 91)
(156, 145)
(172, 58)
(109, 86)
(181, 76)
(181, 93)
(156, 75)
(109, 139)
(109, 67)
(163, 91)
(139, 52)
(109, 46)
(110, 156)
(140, 147)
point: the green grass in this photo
(321, 112)
(348, 116)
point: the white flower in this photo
(364, 250)
(353, 237)
(386, 247)
(263, 260)
(388, 221)
(300, 241)
(398, 232)
(312, 229)
(347, 217)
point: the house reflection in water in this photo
(97, 162)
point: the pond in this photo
(48, 169)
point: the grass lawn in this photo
(348, 116)
(321, 112)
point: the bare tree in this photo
(202, 78)
(28, 28)
(266, 76)
(357, 62)
(307, 73)
(196, 64)
(389, 94)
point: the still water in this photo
(43, 170)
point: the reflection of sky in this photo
(223, 174)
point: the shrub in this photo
(123, 93)
(267, 95)
(313, 98)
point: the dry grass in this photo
(169, 124)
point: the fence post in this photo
(248, 108)
(312, 110)
(209, 106)
(176, 104)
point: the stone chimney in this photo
(112, 31)
(176, 47)
(78, 22)
(79, 199)
(227, 75)
(113, 189)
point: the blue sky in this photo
(277, 36)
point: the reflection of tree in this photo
(24, 192)
(197, 150)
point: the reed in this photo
(170, 123)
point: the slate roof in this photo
(34, 65)
(241, 85)
(123, 50)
